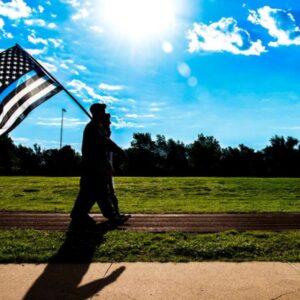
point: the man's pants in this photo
(93, 189)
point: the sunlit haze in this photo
(139, 18)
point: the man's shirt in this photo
(95, 146)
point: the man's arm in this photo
(109, 145)
(112, 146)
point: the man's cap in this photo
(98, 108)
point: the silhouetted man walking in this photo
(95, 165)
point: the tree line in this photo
(161, 157)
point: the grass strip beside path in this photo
(33, 246)
(159, 194)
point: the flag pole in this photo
(61, 127)
(53, 78)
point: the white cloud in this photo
(133, 116)
(142, 116)
(74, 3)
(51, 59)
(109, 87)
(223, 36)
(96, 29)
(81, 68)
(69, 61)
(88, 101)
(8, 35)
(124, 109)
(64, 66)
(154, 109)
(75, 72)
(36, 51)
(15, 9)
(41, 8)
(158, 104)
(121, 123)
(81, 8)
(39, 23)
(67, 64)
(53, 16)
(281, 25)
(297, 128)
(43, 143)
(108, 99)
(81, 13)
(34, 40)
(48, 66)
(56, 42)
(52, 25)
(56, 122)
(83, 90)
(21, 139)
(35, 22)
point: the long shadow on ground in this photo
(67, 267)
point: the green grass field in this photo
(159, 195)
(153, 195)
(116, 246)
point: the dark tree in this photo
(241, 161)
(8, 157)
(50, 162)
(68, 162)
(29, 160)
(282, 156)
(160, 152)
(63, 162)
(141, 156)
(161, 157)
(204, 156)
(176, 160)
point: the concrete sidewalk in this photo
(151, 281)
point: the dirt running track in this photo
(161, 222)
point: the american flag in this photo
(24, 85)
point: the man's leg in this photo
(104, 202)
(85, 199)
(115, 202)
(112, 195)
(114, 199)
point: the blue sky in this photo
(175, 67)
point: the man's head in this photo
(97, 110)
(105, 121)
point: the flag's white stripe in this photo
(25, 105)
(21, 94)
(15, 84)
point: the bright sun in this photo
(140, 18)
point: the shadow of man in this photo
(67, 267)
